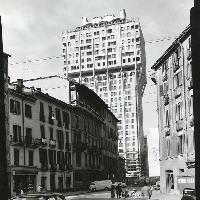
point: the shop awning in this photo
(24, 170)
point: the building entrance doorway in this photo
(169, 181)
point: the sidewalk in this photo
(73, 193)
(158, 196)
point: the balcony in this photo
(166, 99)
(179, 125)
(165, 77)
(52, 143)
(192, 120)
(44, 167)
(189, 54)
(61, 167)
(69, 167)
(177, 92)
(190, 84)
(167, 130)
(176, 66)
(43, 142)
(31, 142)
(16, 141)
(68, 146)
(53, 167)
(79, 146)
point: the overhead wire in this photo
(59, 56)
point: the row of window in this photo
(179, 111)
(17, 135)
(103, 31)
(15, 108)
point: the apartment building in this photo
(94, 131)
(173, 78)
(57, 145)
(39, 138)
(107, 54)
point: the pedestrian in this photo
(126, 193)
(117, 191)
(39, 188)
(120, 190)
(112, 191)
(146, 192)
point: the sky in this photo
(32, 29)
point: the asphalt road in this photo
(100, 195)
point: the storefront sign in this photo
(186, 180)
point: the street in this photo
(102, 195)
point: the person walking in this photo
(146, 192)
(120, 190)
(117, 191)
(112, 191)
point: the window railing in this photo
(189, 54)
(16, 140)
(44, 142)
(179, 124)
(176, 66)
(177, 91)
(52, 143)
(190, 84)
(44, 167)
(53, 167)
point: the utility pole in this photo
(195, 46)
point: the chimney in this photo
(84, 21)
(20, 83)
(122, 14)
(39, 89)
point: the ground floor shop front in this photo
(30, 179)
(172, 173)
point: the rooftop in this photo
(173, 46)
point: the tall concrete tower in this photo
(107, 54)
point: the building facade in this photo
(153, 152)
(49, 145)
(108, 55)
(173, 78)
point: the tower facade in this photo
(107, 54)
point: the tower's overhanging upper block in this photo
(122, 15)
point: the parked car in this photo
(156, 187)
(100, 185)
(121, 183)
(39, 196)
(189, 194)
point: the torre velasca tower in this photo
(107, 54)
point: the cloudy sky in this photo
(32, 29)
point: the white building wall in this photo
(153, 152)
